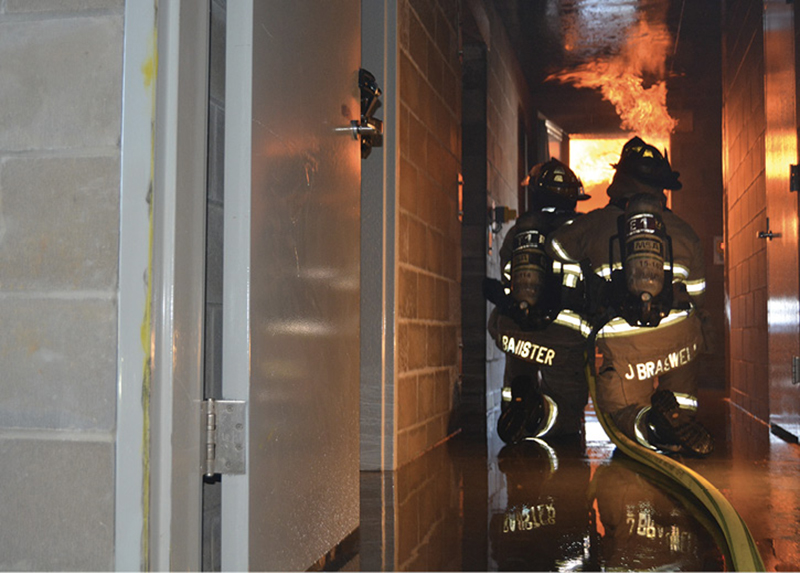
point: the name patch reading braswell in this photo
(651, 368)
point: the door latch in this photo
(369, 129)
(769, 235)
(370, 102)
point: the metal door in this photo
(781, 236)
(291, 279)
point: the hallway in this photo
(198, 208)
(466, 505)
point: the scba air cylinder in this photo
(528, 266)
(645, 247)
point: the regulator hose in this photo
(742, 548)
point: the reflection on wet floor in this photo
(472, 505)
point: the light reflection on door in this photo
(290, 347)
(782, 250)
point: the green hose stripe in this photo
(743, 551)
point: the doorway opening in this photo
(592, 158)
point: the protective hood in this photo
(623, 185)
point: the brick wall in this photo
(744, 126)
(59, 234)
(695, 99)
(428, 237)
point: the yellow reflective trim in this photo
(552, 456)
(686, 401)
(679, 271)
(574, 321)
(570, 280)
(560, 251)
(605, 270)
(552, 414)
(619, 326)
(637, 428)
(572, 268)
(695, 287)
(506, 393)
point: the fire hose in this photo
(741, 548)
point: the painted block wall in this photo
(507, 104)
(744, 127)
(428, 236)
(475, 237)
(427, 507)
(60, 88)
(495, 104)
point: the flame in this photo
(621, 81)
(592, 158)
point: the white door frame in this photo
(179, 221)
(162, 286)
(133, 353)
(235, 549)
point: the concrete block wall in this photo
(507, 109)
(428, 511)
(496, 103)
(60, 88)
(744, 126)
(428, 236)
(475, 235)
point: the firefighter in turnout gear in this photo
(544, 387)
(645, 281)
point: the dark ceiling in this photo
(554, 36)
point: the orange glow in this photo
(592, 159)
(621, 80)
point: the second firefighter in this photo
(544, 387)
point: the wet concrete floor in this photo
(577, 505)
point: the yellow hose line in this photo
(669, 486)
(741, 546)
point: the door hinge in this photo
(225, 425)
(795, 369)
